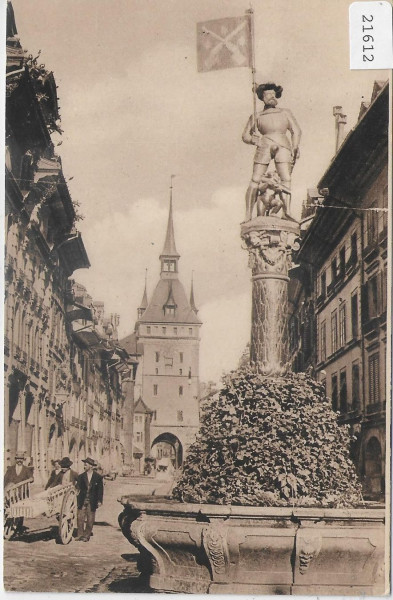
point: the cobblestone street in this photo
(36, 563)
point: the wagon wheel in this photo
(9, 528)
(67, 518)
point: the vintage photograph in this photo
(197, 299)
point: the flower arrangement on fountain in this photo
(269, 441)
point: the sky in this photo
(135, 110)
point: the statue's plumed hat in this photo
(268, 86)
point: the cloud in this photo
(224, 335)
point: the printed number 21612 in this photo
(367, 38)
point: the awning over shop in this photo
(88, 338)
(76, 311)
(72, 253)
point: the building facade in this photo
(340, 288)
(67, 382)
(167, 333)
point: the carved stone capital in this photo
(270, 242)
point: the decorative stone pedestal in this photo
(270, 242)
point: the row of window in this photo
(155, 390)
(167, 330)
(376, 223)
(338, 264)
(340, 400)
(157, 371)
(374, 296)
(339, 392)
(168, 360)
(338, 327)
(374, 302)
(377, 220)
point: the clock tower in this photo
(167, 331)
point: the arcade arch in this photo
(167, 445)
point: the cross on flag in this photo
(224, 43)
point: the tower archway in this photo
(167, 445)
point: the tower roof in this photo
(169, 289)
(169, 245)
(141, 407)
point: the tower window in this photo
(164, 330)
(148, 329)
(180, 371)
(169, 310)
(157, 357)
(180, 390)
(155, 389)
(175, 330)
(170, 266)
(181, 357)
(156, 371)
(180, 415)
(190, 331)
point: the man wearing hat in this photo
(18, 472)
(66, 475)
(90, 495)
(54, 473)
(15, 474)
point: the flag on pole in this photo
(224, 43)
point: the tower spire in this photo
(170, 246)
(192, 300)
(169, 256)
(144, 302)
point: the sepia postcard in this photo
(197, 283)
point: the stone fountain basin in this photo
(216, 549)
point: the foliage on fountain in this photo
(270, 442)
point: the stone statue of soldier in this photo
(269, 135)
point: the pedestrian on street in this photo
(17, 472)
(90, 495)
(66, 475)
(54, 473)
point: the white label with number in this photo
(370, 35)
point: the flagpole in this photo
(253, 70)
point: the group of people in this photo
(89, 486)
(90, 490)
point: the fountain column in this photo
(270, 242)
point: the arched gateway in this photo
(169, 446)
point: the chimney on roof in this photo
(341, 121)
